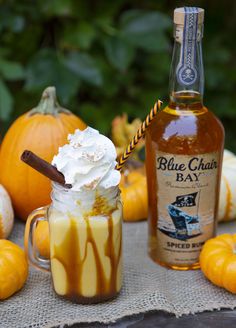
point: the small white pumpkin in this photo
(227, 202)
(6, 214)
(228, 155)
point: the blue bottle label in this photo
(186, 205)
(186, 71)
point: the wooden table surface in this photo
(160, 319)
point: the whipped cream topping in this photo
(88, 161)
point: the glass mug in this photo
(85, 243)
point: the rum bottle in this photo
(184, 149)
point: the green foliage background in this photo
(108, 57)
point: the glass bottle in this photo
(184, 149)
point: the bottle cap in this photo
(180, 13)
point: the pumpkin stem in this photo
(48, 103)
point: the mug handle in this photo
(40, 214)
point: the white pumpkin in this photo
(227, 202)
(6, 214)
(227, 155)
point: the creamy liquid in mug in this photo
(86, 244)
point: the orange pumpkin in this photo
(133, 188)
(218, 261)
(13, 268)
(41, 130)
(41, 239)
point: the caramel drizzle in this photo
(101, 279)
(68, 254)
(110, 252)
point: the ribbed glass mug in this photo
(85, 243)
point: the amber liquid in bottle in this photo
(185, 127)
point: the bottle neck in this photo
(187, 74)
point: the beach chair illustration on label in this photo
(185, 226)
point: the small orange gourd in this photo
(41, 239)
(41, 130)
(13, 268)
(218, 261)
(133, 188)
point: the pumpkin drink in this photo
(85, 220)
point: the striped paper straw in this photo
(139, 134)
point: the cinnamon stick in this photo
(43, 167)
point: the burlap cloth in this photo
(147, 286)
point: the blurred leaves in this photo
(85, 67)
(56, 7)
(10, 20)
(11, 70)
(49, 68)
(119, 53)
(6, 101)
(107, 57)
(78, 36)
(144, 29)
